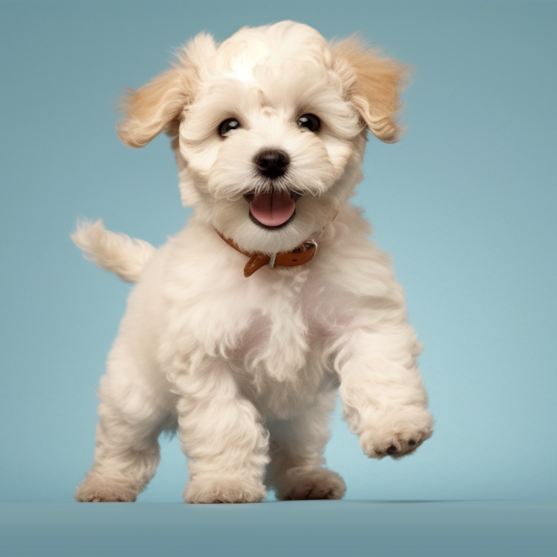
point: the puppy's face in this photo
(267, 145)
(270, 129)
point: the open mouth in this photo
(273, 209)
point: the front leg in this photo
(221, 432)
(385, 402)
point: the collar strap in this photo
(298, 256)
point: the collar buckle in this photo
(302, 254)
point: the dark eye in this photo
(228, 125)
(309, 121)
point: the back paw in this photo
(310, 483)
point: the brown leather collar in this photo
(298, 256)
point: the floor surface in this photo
(343, 528)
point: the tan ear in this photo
(373, 83)
(155, 107)
(158, 106)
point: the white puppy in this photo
(242, 327)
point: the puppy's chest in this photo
(281, 336)
(281, 360)
(271, 329)
(269, 334)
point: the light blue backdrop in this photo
(466, 204)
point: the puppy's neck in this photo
(304, 253)
(298, 256)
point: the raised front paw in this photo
(397, 432)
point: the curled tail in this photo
(113, 252)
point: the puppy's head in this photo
(269, 128)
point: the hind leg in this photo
(126, 442)
(297, 468)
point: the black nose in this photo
(272, 163)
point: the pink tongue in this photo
(272, 209)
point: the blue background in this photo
(465, 203)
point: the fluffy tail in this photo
(113, 252)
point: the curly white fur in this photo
(116, 253)
(247, 368)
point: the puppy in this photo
(242, 327)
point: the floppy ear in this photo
(154, 107)
(373, 83)
(158, 105)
